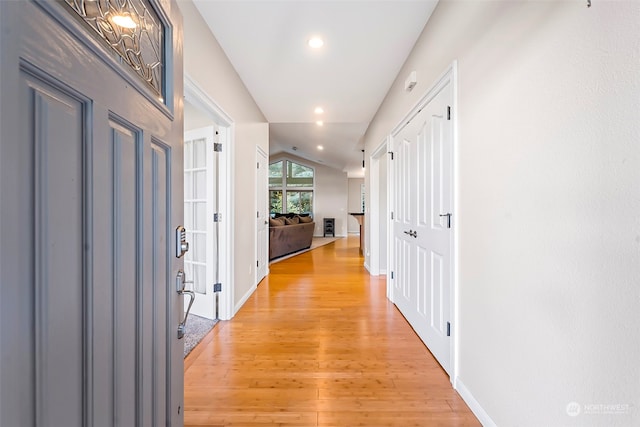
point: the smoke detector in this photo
(411, 81)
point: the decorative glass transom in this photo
(133, 30)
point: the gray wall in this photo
(548, 213)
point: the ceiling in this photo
(366, 42)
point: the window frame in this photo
(283, 188)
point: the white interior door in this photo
(422, 231)
(405, 249)
(200, 205)
(262, 214)
(90, 161)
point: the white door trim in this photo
(196, 96)
(257, 279)
(449, 76)
(378, 155)
(455, 199)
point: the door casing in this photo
(196, 96)
(262, 208)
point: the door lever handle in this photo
(448, 215)
(411, 233)
(181, 282)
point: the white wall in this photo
(548, 203)
(195, 118)
(354, 204)
(206, 63)
(330, 194)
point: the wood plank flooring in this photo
(319, 344)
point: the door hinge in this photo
(258, 263)
(258, 214)
(258, 165)
(217, 147)
(448, 329)
(217, 287)
(217, 217)
(391, 215)
(392, 275)
(391, 152)
(448, 113)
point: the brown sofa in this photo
(286, 239)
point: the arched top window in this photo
(291, 182)
(285, 173)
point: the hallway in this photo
(319, 344)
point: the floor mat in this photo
(196, 329)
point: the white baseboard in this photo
(473, 404)
(244, 299)
(380, 272)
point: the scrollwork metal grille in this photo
(138, 41)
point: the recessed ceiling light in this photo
(318, 110)
(316, 42)
(124, 21)
(320, 123)
(320, 147)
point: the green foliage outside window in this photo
(275, 201)
(292, 182)
(299, 201)
(275, 174)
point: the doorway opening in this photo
(379, 211)
(208, 152)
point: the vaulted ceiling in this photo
(365, 44)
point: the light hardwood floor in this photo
(319, 344)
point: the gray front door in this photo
(90, 193)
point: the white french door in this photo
(422, 233)
(91, 191)
(200, 205)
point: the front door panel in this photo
(91, 176)
(56, 119)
